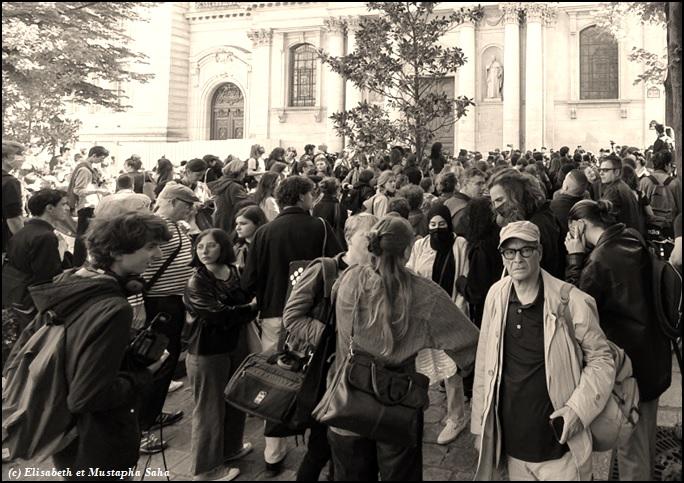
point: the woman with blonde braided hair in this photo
(395, 313)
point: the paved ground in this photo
(454, 462)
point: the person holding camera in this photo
(218, 311)
(527, 411)
(102, 377)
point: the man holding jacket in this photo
(525, 377)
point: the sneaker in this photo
(175, 386)
(151, 444)
(220, 473)
(167, 419)
(451, 431)
(244, 451)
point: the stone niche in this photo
(490, 57)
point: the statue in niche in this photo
(494, 79)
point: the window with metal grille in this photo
(303, 59)
(598, 64)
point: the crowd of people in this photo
(452, 267)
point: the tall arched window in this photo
(227, 112)
(598, 64)
(303, 75)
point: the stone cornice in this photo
(260, 37)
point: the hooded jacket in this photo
(227, 194)
(102, 390)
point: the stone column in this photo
(259, 98)
(353, 94)
(534, 92)
(511, 84)
(466, 87)
(334, 83)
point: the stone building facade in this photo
(231, 74)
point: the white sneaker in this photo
(451, 431)
(175, 385)
(221, 473)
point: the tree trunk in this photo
(674, 56)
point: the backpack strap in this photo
(653, 179)
(667, 181)
(562, 312)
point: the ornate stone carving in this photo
(335, 24)
(282, 115)
(318, 115)
(494, 79)
(224, 56)
(511, 12)
(541, 12)
(260, 37)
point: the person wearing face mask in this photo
(441, 257)
(610, 262)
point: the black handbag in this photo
(376, 401)
(262, 388)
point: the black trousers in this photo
(153, 399)
(80, 251)
(361, 459)
(317, 454)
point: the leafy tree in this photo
(54, 53)
(659, 69)
(398, 55)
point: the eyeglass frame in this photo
(518, 250)
(605, 170)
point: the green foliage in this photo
(398, 56)
(59, 52)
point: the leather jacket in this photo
(617, 273)
(217, 311)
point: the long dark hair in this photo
(266, 187)
(227, 256)
(436, 150)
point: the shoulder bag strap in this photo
(167, 262)
(562, 312)
(325, 236)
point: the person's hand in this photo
(575, 245)
(571, 423)
(155, 366)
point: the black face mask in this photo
(440, 236)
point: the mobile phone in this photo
(557, 427)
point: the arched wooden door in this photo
(227, 113)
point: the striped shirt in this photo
(177, 274)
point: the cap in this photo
(180, 192)
(522, 230)
(196, 165)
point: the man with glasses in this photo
(532, 403)
(613, 189)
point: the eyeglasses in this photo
(605, 170)
(510, 253)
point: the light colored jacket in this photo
(584, 389)
(423, 258)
